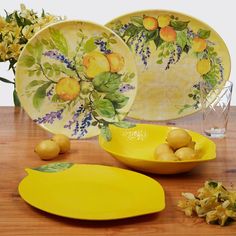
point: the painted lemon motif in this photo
(116, 62)
(168, 34)
(199, 44)
(67, 88)
(150, 23)
(163, 20)
(203, 66)
(95, 63)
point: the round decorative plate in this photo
(75, 78)
(91, 192)
(173, 53)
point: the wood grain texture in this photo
(18, 136)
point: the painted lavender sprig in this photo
(49, 118)
(85, 123)
(126, 87)
(60, 57)
(103, 46)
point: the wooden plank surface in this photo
(19, 135)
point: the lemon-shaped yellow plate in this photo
(135, 147)
(74, 77)
(91, 192)
(173, 53)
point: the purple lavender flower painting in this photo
(76, 78)
(173, 52)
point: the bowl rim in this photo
(101, 141)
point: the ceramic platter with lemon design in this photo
(75, 78)
(173, 53)
(91, 192)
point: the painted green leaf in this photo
(89, 45)
(182, 38)
(38, 47)
(179, 25)
(158, 41)
(159, 61)
(151, 35)
(107, 82)
(124, 124)
(35, 83)
(54, 167)
(132, 75)
(118, 100)
(210, 78)
(137, 20)
(27, 61)
(40, 95)
(59, 40)
(132, 30)
(30, 48)
(106, 133)
(204, 34)
(104, 108)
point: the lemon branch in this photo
(41, 68)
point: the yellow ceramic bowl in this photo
(135, 148)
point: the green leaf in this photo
(30, 48)
(210, 78)
(124, 124)
(38, 47)
(132, 30)
(89, 45)
(6, 81)
(55, 98)
(104, 108)
(151, 35)
(118, 100)
(40, 95)
(112, 41)
(34, 83)
(54, 167)
(16, 99)
(59, 40)
(105, 35)
(137, 20)
(204, 34)
(159, 61)
(107, 82)
(27, 61)
(213, 184)
(158, 41)
(179, 25)
(182, 38)
(18, 20)
(132, 75)
(106, 133)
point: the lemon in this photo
(185, 153)
(116, 61)
(95, 63)
(63, 142)
(199, 44)
(167, 156)
(203, 66)
(178, 138)
(47, 149)
(67, 88)
(192, 145)
(163, 148)
(150, 23)
(163, 20)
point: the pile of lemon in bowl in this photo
(179, 146)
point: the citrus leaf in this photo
(204, 34)
(137, 20)
(124, 124)
(179, 25)
(54, 167)
(35, 83)
(40, 95)
(59, 40)
(182, 39)
(106, 133)
(89, 45)
(27, 61)
(104, 108)
(107, 82)
(118, 100)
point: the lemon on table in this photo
(178, 138)
(47, 149)
(167, 156)
(163, 148)
(63, 141)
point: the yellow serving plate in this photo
(173, 52)
(135, 147)
(91, 192)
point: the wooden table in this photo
(19, 135)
